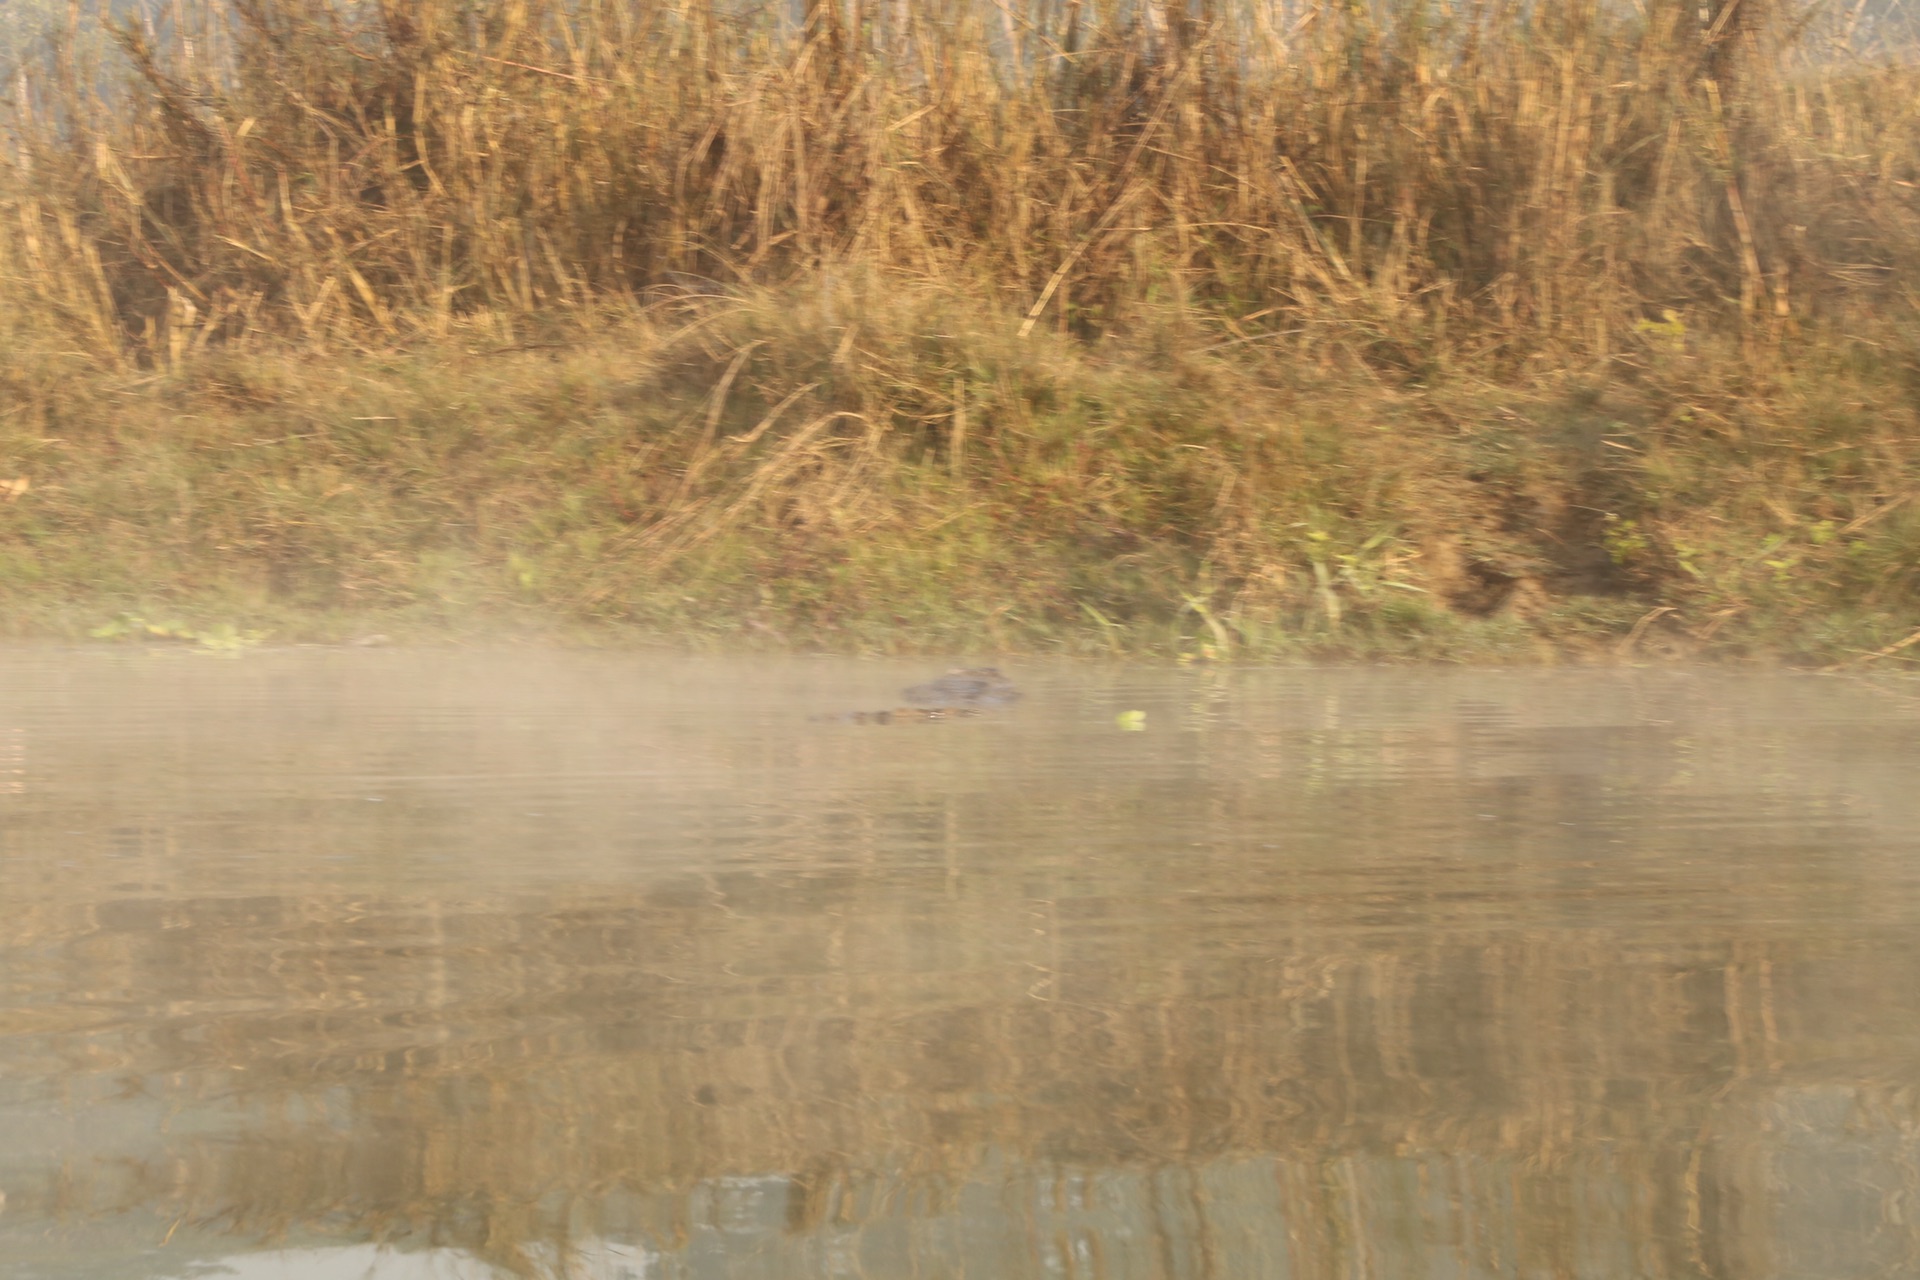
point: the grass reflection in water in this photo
(1326, 971)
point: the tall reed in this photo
(1409, 181)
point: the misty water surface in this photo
(336, 965)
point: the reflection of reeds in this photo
(461, 1066)
(590, 1055)
(933, 968)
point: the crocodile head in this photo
(964, 687)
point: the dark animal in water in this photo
(964, 687)
(963, 691)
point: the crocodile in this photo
(963, 691)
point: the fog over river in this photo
(379, 964)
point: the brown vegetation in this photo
(1335, 324)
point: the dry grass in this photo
(1328, 324)
(1408, 183)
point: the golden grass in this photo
(937, 324)
(1406, 182)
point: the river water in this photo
(361, 965)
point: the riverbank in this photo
(899, 470)
(1378, 332)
